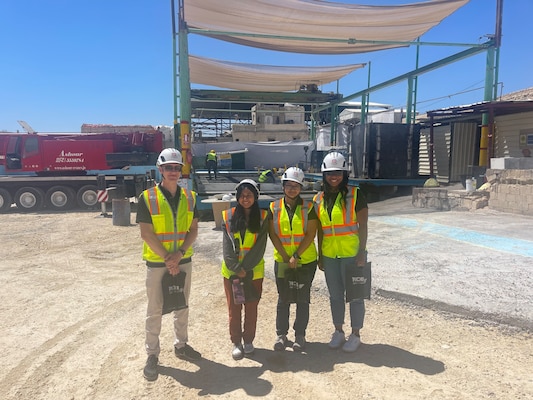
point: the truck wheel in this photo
(87, 196)
(5, 200)
(29, 199)
(60, 198)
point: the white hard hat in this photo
(294, 174)
(250, 182)
(334, 161)
(169, 156)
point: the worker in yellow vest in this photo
(245, 232)
(342, 236)
(292, 229)
(168, 220)
(268, 175)
(211, 161)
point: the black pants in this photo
(283, 309)
(212, 166)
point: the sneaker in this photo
(187, 353)
(337, 340)
(351, 344)
(248, 348)
(238, 352)
(280, 343)
(150, 369)
(299, 343)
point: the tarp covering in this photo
(294, 25)
(264, 78)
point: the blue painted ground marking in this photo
(514, 246)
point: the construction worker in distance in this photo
(168, 220)
(268, 175)
(211, 161)
(342, 236)
(292, 229)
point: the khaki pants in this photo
(154, 309)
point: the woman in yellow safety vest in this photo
(343, 214)
(292, 229)
(245, 231)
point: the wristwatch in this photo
(182, 251)
(295, 255)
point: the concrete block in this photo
(525, 163)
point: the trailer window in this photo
(13, 146)
(31, 146)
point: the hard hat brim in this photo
(292, 180)
(170, 162)
(332, 169)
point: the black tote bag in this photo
(296, 286)
(358, 282)
(173, 292)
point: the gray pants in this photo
(154, 310)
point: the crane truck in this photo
(64, 171)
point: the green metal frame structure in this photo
(182, 102)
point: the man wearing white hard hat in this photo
(167, 216)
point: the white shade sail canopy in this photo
(264, 78)
(315, 27)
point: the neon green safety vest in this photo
(244, 245)
(170, 229)
(340, 232)
(291, 235)
(211, 156)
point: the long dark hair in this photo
(329, 195)
(238, 220)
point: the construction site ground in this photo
(450, 316)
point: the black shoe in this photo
(150, 369)
(280, 343)
(299, 343)
(187, 353)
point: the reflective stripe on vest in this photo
(291, 234)
(170, 229)
(341, 230)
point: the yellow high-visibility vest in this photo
(170, 229)
(291, 235)
(340, 232)
(244, 245)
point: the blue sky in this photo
(69, 62)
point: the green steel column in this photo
(489, 90)
(491, 84)
(174, 76)
(184, 93)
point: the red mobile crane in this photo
(61, 171)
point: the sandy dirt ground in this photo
(73, 305)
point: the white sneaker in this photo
(351, 344)
(248, 348)
(337, 340)
(237, 352)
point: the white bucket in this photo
(469, 186)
